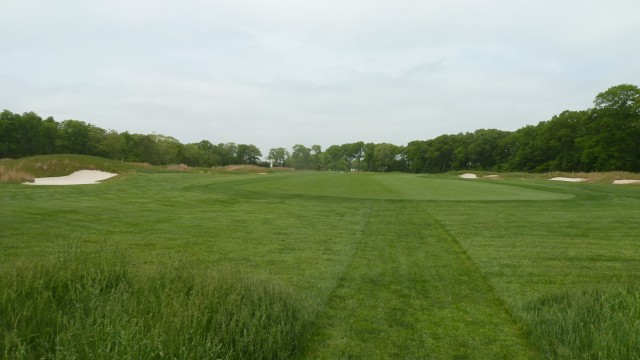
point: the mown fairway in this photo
(383, 265)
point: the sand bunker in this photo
(81, 177)
(469, 176)
(568, 179)
(624, 181)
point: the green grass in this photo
(399, 186)
(593, 323)
(91, 306)
(374, 265)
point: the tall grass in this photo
(91, 306)
(9, 175)
(587, 324)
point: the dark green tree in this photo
(301, 157)
(113, 145)
(75, 137)
(248, 154)
(278, 156)
(335, 158)
(317, 157)
(482, 150)
(612, 139)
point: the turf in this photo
(399, 186)
(383, 265)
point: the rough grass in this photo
(593, 323)
(8, 175)
(91, 306)
(26, 169)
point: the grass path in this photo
(411, 292)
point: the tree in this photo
(31, 139)
(75, 137)
(525, 152)
(317, 157)
(559, 138)
(416, 156)
(49, 133)
(623, 98)
(353, 154)
(613, 137)
(10, 135)
(301, 157)
(207, 153)
(335, 159)
(279, 156)
(440, 154)
(227, 153)
(113, 145)
(142, 148)
(194, 156)
(384, 155)
(248, 154)
(170, 150)
(483, 147)
(368, 161)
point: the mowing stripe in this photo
(410, 291)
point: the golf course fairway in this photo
(339, 266)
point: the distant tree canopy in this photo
(603, 138)
(28, 134)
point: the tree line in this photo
(28, 134)
(603, 138)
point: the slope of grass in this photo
(382, 265)
(61, 165)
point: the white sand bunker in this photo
(568, 179)
(624, 181)
(469, 176)
(81, 177)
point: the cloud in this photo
(283, 72)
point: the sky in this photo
(275, 73)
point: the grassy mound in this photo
(91, 306)
(587, 324)
(25, 169)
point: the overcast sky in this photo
(282, 72)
